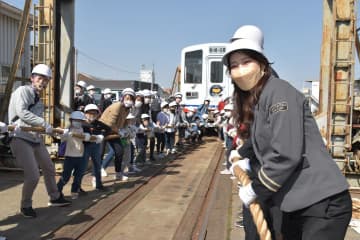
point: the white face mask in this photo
(128, 103)
(227, 114)
(91, 118)
(91, 92)
(76, 124)
(138, 104)
(107, 96)
(146, 100)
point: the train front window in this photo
(216, 72)
(193, 67)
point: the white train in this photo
(203, 75)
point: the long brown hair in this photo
(245, 101)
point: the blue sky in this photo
(127, 34)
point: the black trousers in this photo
(119, 151)
(325, 220)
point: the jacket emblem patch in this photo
(277, 107)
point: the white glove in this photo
(48, 128)
(234, 156)
(247, 195)
(3, 127)
(87, 137)
(99, 139)
(66, 133)
(232, 132)
(244, 164)
(17, 129)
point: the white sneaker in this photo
(173, 150)
(93, 182)
(225, 172)
(224, 164)
(124, 178)
(168, 151)
(74, 195)
(103, 172)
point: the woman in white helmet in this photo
(26, 109)
(292, 165)
(113, 119)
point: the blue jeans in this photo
(72, 163)
(93, 150)
(109, 156)
(169, 140)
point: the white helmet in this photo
(90, 107)
(164, 104)
(246, 37)
(178, 95)
(128, 91)
(42, 69)
(146, 93)
(139, 93)
(172, 104)
(145, 115)
(130, 116)
(90, 87)
(107, 91)
(229, 107)
(77, 115)
(81, 84)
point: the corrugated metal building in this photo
(10, 18)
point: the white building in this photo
(313, 95)
(10, 18)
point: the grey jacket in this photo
(20, 114)
(295, 164)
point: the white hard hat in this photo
(164, 104)
(81, 84)
(90, 87)
(139, 93)
(90, 107)
(146, 93)
(128, 91)
(251, 38)
(145, 115)
(216, 111)
(77, 115)
(42, 69)
(107, 91)
(130, 116)
(178, 95)
(172, 104)
(229, 107)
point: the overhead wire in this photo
(105, 64)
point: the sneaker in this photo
(117, 176)
(124, 178)
(74, 195)
(173, 150)
(102, 188)
(28, 212)
(135, 169)
(93, 182)
(59, 202)
(103, 172)
(225, 172)
(168, 151)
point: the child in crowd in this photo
(74, 154)
(162, 120)
(170, 128)
(93, 149)
(144, 131)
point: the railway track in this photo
(177, 193)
